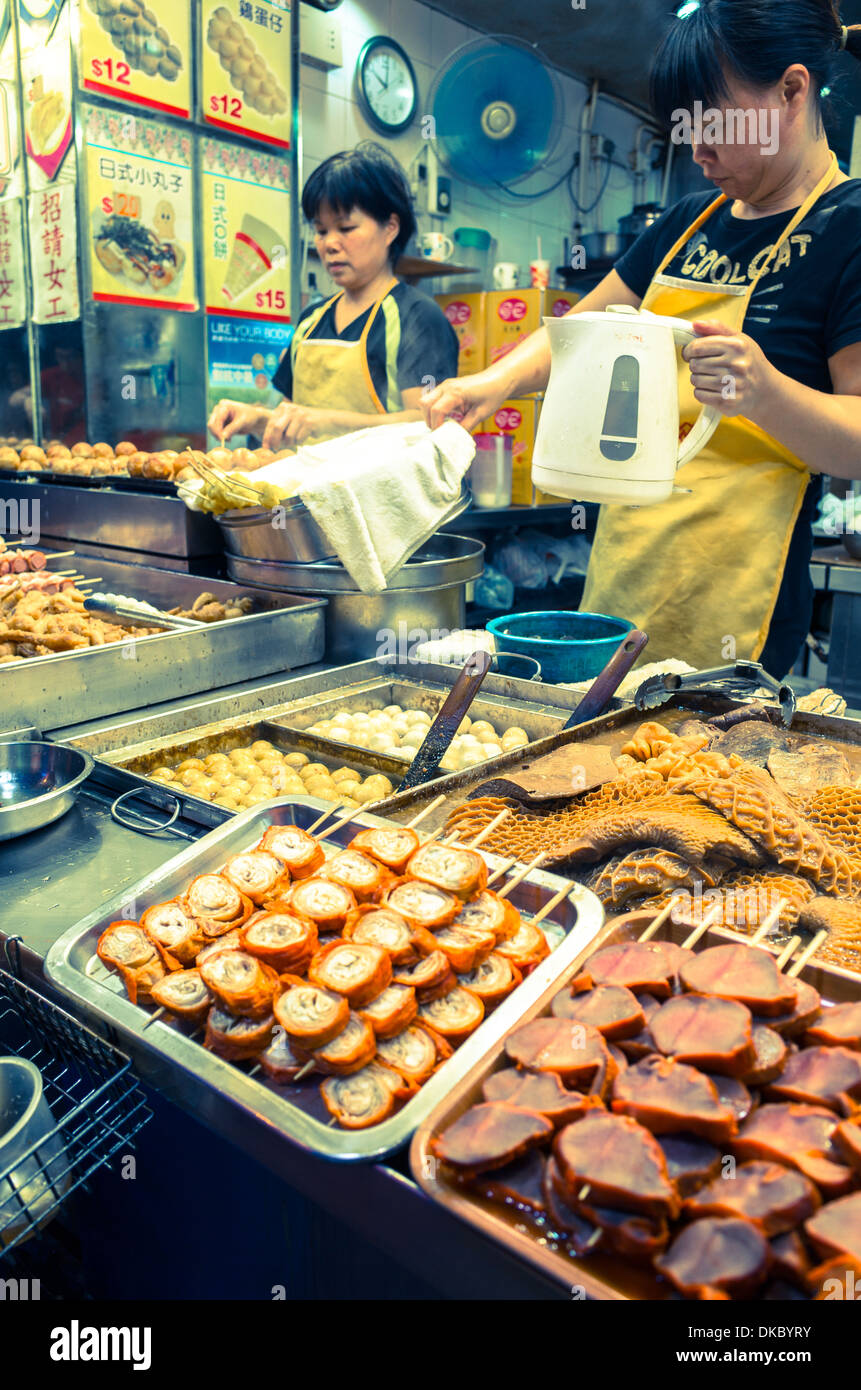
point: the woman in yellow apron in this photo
(366, 355)
(768, 274)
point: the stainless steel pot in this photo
(38, 784)
(641, 217)
(604, 246)
(426, 596)
(288, 533)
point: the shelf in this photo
(419, 267)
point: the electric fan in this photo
(497, 109)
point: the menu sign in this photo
(245, 69)
(139, 51)
(46, 75)
(13, 289)
(53, 254)
(242, 357)
(140, 215)
(245, 254)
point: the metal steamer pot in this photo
(427, 596)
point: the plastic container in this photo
(473, 247)
(31, 1178)
(492, 470)
(568, 646)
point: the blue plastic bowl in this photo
(569, 646)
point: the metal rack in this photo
(95, 1098)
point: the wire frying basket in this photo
(96, 1107)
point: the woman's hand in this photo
(289, 425)
(728, 370)
(235, 417)
(467, 399)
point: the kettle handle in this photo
(708, 419)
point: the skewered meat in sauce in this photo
(465, 949)
(311, 1017)
(620, 1161)
(649, 967)
(454, 1016)
(229, 941)
(576, 1052)
(326, 903)
(217, 903)
(489, 1136)
(623, 1233)
(427, 974)
(716, 1259)
(175, 931)
(492, 980)
(348, 1052)
(257, 874)
(690, 1162)
(612, 1009)
(391, 1011)
(298, 850)
(282, 939)
(821, 1076)
(800, 1135)
(773, 1197)
(668, 1097)
(836, 1228)
(414, 1052)
(185, 994)
(526, 948)
(237, 1039)
(241, 983)
(542, 1092)
(847, 1137)
(743, 973)
(127, 949)
(519, 1184)
(422, 904)
(455, 870)
(771, 1054)
(389, 845)
(807, 1008)
(366, 1098)
(383, 927)
(839, 1026)
(790, 1259)
(359, 972)
(733, 1094)
(714, 1034)
(278, 1060)
(487, 909)
(366, 879)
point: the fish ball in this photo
(514, 738)
(365, 795)
(270, 766)
(261, 748)
(492, 750)
(343, 774)
(393, 709)
(481, 727)
(297, 760)
(191, 765)
(418, 716)
(314, 770)
(162, 774)
(380, 741)
(341, 733)
(465, 725)
(414, 737)
(348, 786)
(379, 782)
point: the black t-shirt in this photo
(428, 345)
(806, 307)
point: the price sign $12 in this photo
(113, 69)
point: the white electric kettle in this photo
(609, 426)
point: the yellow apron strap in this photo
(363, 341)
(307, 324)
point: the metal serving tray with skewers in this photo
(190, 1074)
(533, 1239)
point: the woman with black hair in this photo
(769, 276)
(366, 356)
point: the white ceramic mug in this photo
(505, 275)
(436, 246)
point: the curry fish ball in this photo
(238, 755)
(393, 709)
(365, 795)
(343, 774)
(482, 727)
(380, 784)
(414, 737)
(514, 738)
(341, 733)
(261, 747)
(241, 785)
(162, 774)
(191, 765)
(314, 770)
(297, 760)
(348, 788)
(228, 797)
(418, 716)
(349, 804)
(465, 725)
(270, 765)
(379, 742)
(472, 757)
(492, 750)
(485, 737)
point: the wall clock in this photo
(387, 86)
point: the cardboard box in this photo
(519, 418)
(557, 303)
(466, 314)
(511, 316)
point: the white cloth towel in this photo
(379, 494)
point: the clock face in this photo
(388, 84)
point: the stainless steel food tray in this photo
(53, 692)
(114, 516)
(190, 1074)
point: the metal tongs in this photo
(743, 682)
(131, 617)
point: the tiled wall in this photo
(331, 120)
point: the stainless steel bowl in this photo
(38, 784)
(289, 534)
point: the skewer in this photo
(551, 903)
(431, 806)
(501, 871)
(584, 1192)
(336, 825)
(593, 1239)
(330, 811)
(152, 1018)
(255, 1069)
(658, 921)
(771, 921)
(57, 554)
(786, 954)
(703, 927)
(482, 835)
(521, 875)
(309, 1066)
(333, 1121)
(807, 954)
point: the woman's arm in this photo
(731, 372)
(526, 369)
(289, 425)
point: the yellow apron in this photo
(701, 572)
(331, 374)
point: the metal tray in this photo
(442, 561)
(144, 521)
(611, 731)
(600, 1276)
(53, 692)
(184, 1069)
(162, 487)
